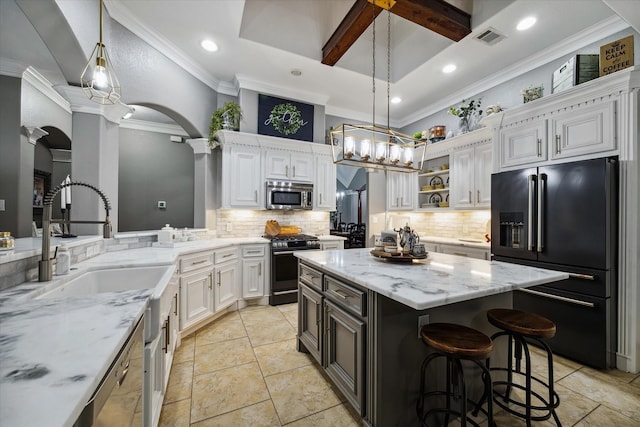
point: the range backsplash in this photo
(452, 224)
(245, 223)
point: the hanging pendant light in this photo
(354, 145)
(98, 79)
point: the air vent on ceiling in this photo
(490, 36)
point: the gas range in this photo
(294, 242)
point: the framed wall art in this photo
(285, 118)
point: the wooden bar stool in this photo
(455, 343)
(520, 326)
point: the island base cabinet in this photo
(310, 321)
(344, 354)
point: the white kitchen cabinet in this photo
(401, 191)
(225, 293)
(244, 182)
(523, 144)
(283, 165)
(254, 270)
(588, 130)
(196, 297)
(471, 176)
(325, 184)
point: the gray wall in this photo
(508, 93)
(11, 184)
(152, 168)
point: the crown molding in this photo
(44, 86)
(33, 134)
(590, 35)
(153, 127)
(11, 68)
(81, 104)
(245, 82)
(227, 88)
(121, 14)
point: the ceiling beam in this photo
(357, 20)
(436, 15)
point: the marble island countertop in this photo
(439, 280)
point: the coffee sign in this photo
(616, 56)
(285, 118)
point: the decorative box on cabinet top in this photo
(578, 69)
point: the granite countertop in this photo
(439, 280)
(54, 352)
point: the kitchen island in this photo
(359, 317)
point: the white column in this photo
(204, 212)
(94, 159)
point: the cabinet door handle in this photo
(320, 198)
(211, 283)
(557, 144)
(460, 254)
(582, 276)
(175, 307)
(202, 261)
(260, 269)
(340, 294)
(478, 199)
(165, 328)
(558, 297)
(294, 171)
(539, 147)
(219, 277)
(286, 170)
(470, 201)
(256, 195)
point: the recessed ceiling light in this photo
(209, 45)
(296, 72)
(450, 68)
(396, 100)
(526, 23)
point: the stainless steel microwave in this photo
(287, 195)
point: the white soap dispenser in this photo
(166, 234)
(63, 260)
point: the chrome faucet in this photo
(45, 266)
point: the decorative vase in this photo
(463, 125)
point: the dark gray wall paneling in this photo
(152, 168)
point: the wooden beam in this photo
(357, 20)
(436, 15)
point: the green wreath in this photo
(288, 127)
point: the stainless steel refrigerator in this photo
(564, 217)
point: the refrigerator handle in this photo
(541, 190)
(532, 183)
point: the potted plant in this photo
(468, 112)
(227, 117)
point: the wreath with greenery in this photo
(288, 127)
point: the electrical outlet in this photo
(422, 320)
(162, 204)
(229, 227)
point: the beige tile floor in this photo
(244, 370)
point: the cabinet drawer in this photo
(311, 277)
(346, 296)
(253, 251)
(223, 255)
(196, 261)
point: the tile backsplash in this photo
(463, 224)
(244, 223)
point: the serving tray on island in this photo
(399, 257)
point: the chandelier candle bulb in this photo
(365, 149)
(394, 154)
(408, 156)
(349, 147)
(381, 152)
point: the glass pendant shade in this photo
(98, 80)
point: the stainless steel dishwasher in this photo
(118, 399)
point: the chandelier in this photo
(373, 146)
(98, 80)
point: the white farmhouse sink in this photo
(109, 280)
